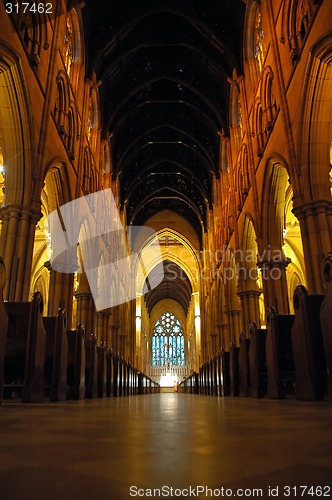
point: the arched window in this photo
(86, 182)
(69, 44)
(168, 341)
(93, 120)
(259, 40)
(72, 47)
(240, 117)
(89, 121)
(297, 18)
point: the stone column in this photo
(102, 328)
(122, 345)
(16, 249)
(61, 289)
(315, 219)
(224, 340)
(86, 312)
(213, 343)
(233, 325)
(114, 337)
(275, 284)
(249, 300)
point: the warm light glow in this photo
(168, 380)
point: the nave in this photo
(98, 449)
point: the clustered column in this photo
(60, 292)
(249, 300)
(316, 229)
(275, 284)
(16, 248)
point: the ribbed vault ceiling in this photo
(173, 284)
(165, 97)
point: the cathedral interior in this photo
(165, 248)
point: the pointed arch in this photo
(16, 129)
(276, 181)
(316, 134)
(168, 344)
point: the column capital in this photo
(103, 314)
(313, 207)
(232, 312)
(272, 263)
(249, 293)
(19, 212)
(83, 295)
(68, 266)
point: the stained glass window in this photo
(259, 40)
(69, 44)
(90, 118)
(168, 341)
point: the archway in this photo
(170, 283)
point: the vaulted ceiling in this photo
(173, 284)
(165, 97)
(164, 68)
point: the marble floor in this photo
(183, 445)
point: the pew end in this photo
(25, 351)
(279, 355)
(326, 321)
(3, 327)
(257, 362)
(307, 340)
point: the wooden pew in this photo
(135, 381)
(25, 349)
(326, 321)
(194, 388)
(202, 387)
(3, 326)
(257, 362)
(124, 377)
(217, 376)
(110, 373)
(308, 350)
(140, 382)
(120, 376)
(234, 369)
(279, 355)
(244, 372)
(214, 380)
(156, 387)
(205, 378)
(143, 384)
(116, 371)
(225, 375)
(91, 367)
(209, 365)
(56, 357)
(102, 371)
(130, 379)
(76, 363)
(201, 380)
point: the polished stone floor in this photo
(96, 450)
